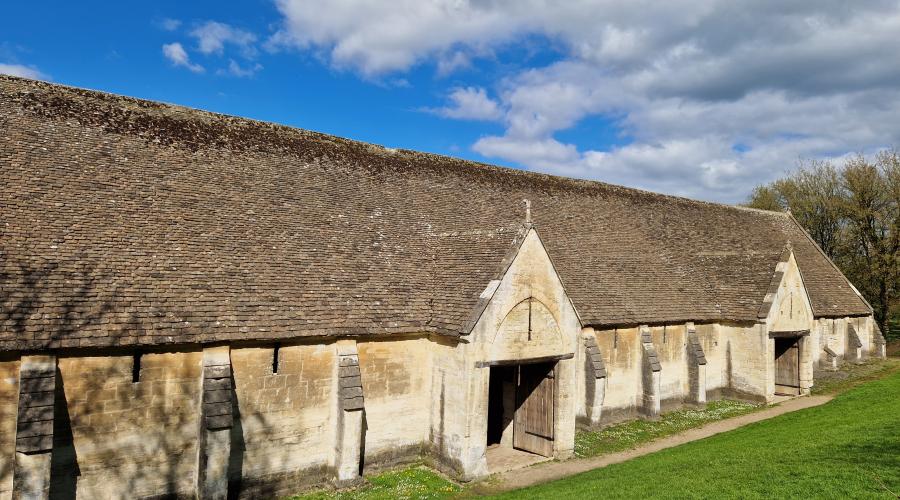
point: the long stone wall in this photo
(261, 420)
(127, 430)
(718, 367)
(833, 341)
(621, 351)
(671, 345)
(737, 362)
(397, 384)
(449, 397)
(119, 437)
(283, 437)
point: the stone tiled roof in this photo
(127, 221)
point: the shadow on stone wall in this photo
(138, 444)
(140, 447)
(64, 460)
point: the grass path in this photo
(848, 448)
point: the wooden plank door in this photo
(535, 408)
(787, 366)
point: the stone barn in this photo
(204, 305)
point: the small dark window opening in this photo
(616, 338)
(136, 367)
(664, 334)
(275, 353)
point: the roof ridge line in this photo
(470, 165)
(830, 262)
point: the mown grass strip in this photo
(868, 459)
(847, 448)
(628, 435)
(417, 482)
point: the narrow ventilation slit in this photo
(275, 353)
(136, 367)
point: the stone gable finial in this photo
(527, 211)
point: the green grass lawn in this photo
(421, 483)
(848, 448)
(410, 483)
(628, 435)
(850, 375)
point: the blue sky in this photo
(697, 98)
(116, 47)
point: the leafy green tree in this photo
(871, 210)
(813, 195)
(852, 211)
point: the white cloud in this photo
(212, 37)
(451, 62)
(376, 37)
(23, 71)
(235, 69)
(176, 54)
(169, 24)
(469, 103)
(710, 96)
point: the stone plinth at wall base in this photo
(829, 363)
(674, 404)
(737, 395)
(393, 458)
(434, 458)
(854, 356)
(349, 482)
(282, 484)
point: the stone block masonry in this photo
(283, 434)
(398, 399)
(650, 376)
(351, 403)
(216, 420)
(131, 439)
(830, 359)
(595, 380)
(879, 343)
(34, 427)
(696, 368)
(854, 345)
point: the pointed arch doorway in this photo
(522, 389)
